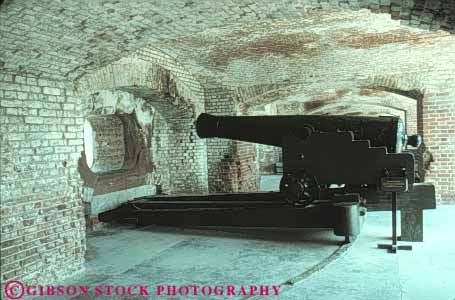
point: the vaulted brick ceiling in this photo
(296, 50)
(63, 39)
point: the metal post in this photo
(394, 218)
(394, 247)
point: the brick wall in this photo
(178, 98)
(231, 165)
(187, 155)
(42, 227)
(160, 153)
(267, 157)
(439, 133)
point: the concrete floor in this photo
(365, 272)
(168, 256)
(316, 262)
(314, 259)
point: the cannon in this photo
(384, 131)
(322, 150)
(329, 164)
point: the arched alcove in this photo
(159, 153)
(371, 101)
(165, 101)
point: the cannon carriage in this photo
(330, 164)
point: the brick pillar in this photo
(42, 218)
(231, 165)
(439, 136)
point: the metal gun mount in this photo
(354, 153)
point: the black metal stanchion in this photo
(394, 247)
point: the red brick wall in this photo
(42, 219)
(439, 135)
(231, 165)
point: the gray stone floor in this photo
(168, 256)
(315, 261)
(426, 273)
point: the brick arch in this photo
(359, 109)
(372, 102)
(170, 108)
(387, 100)
(432, 99)
(405, 98)
(250, 98)
(424, 14)
(363, 107)
(172, 137)
(176, 97)
(435, 101)
(151, 70)
(373, 97)
(411, 85)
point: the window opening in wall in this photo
(104, 143)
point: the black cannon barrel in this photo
(270, 130)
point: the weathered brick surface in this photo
(231, 165)
(178, 98)
(68, 38)
(294, 51)
(42, 225)
(187, 57)
(439, 132)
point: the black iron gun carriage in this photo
(329, 164)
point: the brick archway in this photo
(176, 97)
